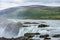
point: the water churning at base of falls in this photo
(9, 27)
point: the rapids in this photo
(9, 29)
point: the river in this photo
(12, 30)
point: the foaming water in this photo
(9, 29)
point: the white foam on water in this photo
(9, 29)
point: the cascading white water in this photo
(9, 29)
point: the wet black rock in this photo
(43, 25)
(19, 38)
(30, 35)
(27, 23)
(44, 36)
(47, 38)
(56, 35)
(31, 23)
(25, 26)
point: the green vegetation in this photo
(35, 13)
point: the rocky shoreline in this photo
(29, 36)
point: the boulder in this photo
(47, 38)
(56, 35)
(27, 23)
(30, 35)
(31, 23)
(44, 36)
(43, 25)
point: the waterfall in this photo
(8, 29)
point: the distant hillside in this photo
(31, 12)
